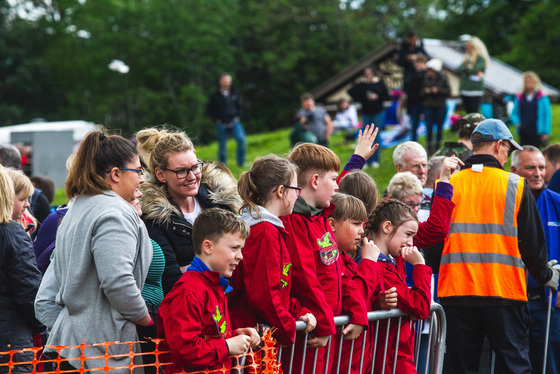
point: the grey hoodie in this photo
(252, 218)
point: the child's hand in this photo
(369, 250)
(253, 335)
(318, 342)
(413, 255)
(311, 321)
(352, 331)
(388, 299)
(448, 167)
(238, 345)
(365, 141)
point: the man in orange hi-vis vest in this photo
(495, 233)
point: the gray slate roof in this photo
(499, 77)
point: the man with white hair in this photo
(411, 156)
(530, 164)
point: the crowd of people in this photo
(155, 243)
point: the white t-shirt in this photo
(192, 215)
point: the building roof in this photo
(500, 78)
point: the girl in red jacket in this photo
(262, 281)
(347, 223)
(392, 226)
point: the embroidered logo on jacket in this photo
(328, 250)
(285, 277)
(221, 322)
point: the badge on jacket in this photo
(328, 249)
(221, 322)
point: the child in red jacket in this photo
(347, 223)
(392, 226)
(262, 280)
(318, 278)
(193, 317)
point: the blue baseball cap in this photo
(493, 129)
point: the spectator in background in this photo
(371, 92)
(225, 108)
(23, 190)
(462, 148)
(46, 185)
(19, 283)
(471, 72)
(10, 157)
(316, 119)
(346, 119)
(411, 156)
(411, 48)
(435, 91)
(531, 112)
(529, 164)
(552, 176)
(413, 91)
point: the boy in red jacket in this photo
(193, 317)
(318, 279)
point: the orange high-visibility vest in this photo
(481, 254)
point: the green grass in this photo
(277, 142)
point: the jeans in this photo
(415, 111)
(377, 120)
(538, 312)
(236, 130)
(435, 116)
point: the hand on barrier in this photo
(448, 167)
(365, 141)
(311, 321)
(238, 345)
(553, 281)
(318, 342)
(352, 331)
(254, 338)
(413, 255)
(369, 250)
(388, 299)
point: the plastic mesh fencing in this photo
(259, 360)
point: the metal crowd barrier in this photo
(434, 353)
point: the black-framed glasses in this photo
(183, 173)
(138, 171)
(298, 189)
(508, 146)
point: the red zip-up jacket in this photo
(262, 282)
(415, 301)
(193, 318)
(319, 281)
(366, 277)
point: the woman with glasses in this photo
(19, 281)
(177, 189)
(102, 254)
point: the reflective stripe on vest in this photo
(483, 259)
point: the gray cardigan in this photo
(101, 260)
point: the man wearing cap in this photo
(462, 148)
(495, 233)
(530, 164)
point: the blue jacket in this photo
(548, 204)
(544, 113)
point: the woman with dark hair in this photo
(19, 282)
(102, 253)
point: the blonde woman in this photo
(471, 71)
(19, 282)
(531, 112)
(23, 189)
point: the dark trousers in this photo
(530, 139)
(434, 116)
(471, 103)
(538, 312)
(415, 111)
(507, 329)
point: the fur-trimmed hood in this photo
(218, 188)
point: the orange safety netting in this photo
(262, 360)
